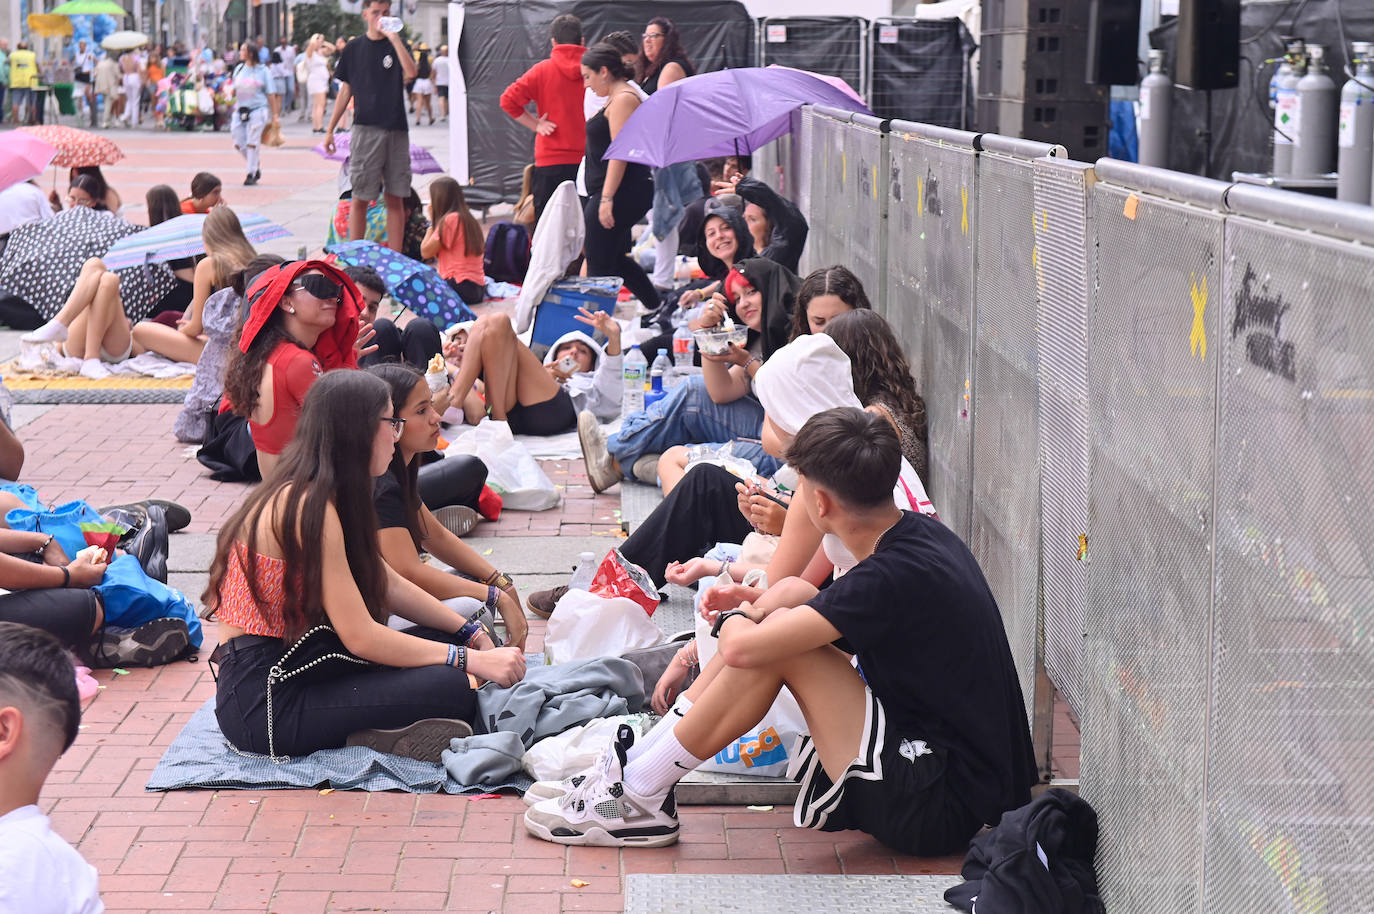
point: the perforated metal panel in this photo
(1152, 412)
(930, 302)
(830, 182)
(1290, 788)
(1006, 487)
(1064, 265)
(860, 220)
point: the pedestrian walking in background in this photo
(372, 71)
(253, 83)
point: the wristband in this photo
(608, 199)
(468, 631)
(720, 620)
(492, 596)
(66, 576)
(452, 655)
(462, 658)
(724, 569)
(500, 579)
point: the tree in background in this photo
(325, 18)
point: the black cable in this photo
(1255, 92)
(1345, 49)
(1270, 27)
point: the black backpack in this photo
(507, 254)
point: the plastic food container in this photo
(714, 341)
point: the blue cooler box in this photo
(557, 312)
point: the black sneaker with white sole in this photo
(601, 811)
(150, 644)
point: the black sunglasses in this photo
(322, 287)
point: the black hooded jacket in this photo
(788, 236)
(713, 267)
(779, 286)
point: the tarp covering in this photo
(832, 45)
(503, 38)
(1242, 121)
(921, 71)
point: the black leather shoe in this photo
(149, 545)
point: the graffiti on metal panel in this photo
(1285, 859)
(866, 182)
(1264, 346)
(932, 193)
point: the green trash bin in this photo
(63, 93)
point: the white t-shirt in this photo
(21, 204)
(39, 872)
(441, 71)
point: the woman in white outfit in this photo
(317, 79)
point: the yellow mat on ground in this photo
(25, 381)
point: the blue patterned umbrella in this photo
(415, 285)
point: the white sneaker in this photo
(602, 812)
(601, 471)
(551, 790)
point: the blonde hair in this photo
(228, 248)
(313, 45)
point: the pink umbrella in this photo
(833, 80)
(23, 156)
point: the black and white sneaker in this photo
(150, 644)
(601, 811)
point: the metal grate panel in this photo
(1152, 416)
(830, 180)
(930, 302)
(1063, 262)
(1290, 786)
(1006, 489)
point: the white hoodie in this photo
(598, 390)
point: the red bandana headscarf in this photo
(334, 348)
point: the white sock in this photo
(661, 765)
(52, 332)
(677, 711)
(94, 369)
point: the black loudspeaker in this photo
(1113, 36)
(1208, 52)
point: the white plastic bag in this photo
(767, 748)
(584, 626)
(511, 471)
(556, 757)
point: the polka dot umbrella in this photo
(415, 285)
(76, 148)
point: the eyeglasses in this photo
(398, 425)
(83, 200)
(322, 287)
(651, 35)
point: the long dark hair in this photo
(401, 381)
(882, 373)
(163, 204)
(243, 376)
(94, 173)
(838, 281)
(672, 50)
(91, 188)
(606, 55)
(327, 462)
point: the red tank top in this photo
(293, 371)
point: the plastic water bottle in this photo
(684, 345)
(634, 371)
(390, 24)
(658, 370)
(586, 570)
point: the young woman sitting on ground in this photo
(99, 194)
(227, 251)
(717, 406)
(302, 321)
(455, 238)
(298, 574)
(823, 294)
(409, 528)
(207, 192)
(93, 325)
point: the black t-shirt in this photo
(926, 630)
(390, 502)
(377, 82)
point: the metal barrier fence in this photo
(1151, 412)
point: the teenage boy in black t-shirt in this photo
(920, 746)
(372, 71)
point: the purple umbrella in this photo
(728, 112)
(421, 162)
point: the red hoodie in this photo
(555, 86)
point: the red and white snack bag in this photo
(617, 576)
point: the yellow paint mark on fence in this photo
(920, 196)
(1197, 340)
(963, 195)
(875, 182)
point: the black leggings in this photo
(608, 250)
(68, 613)
(319, 709)
(415, 345)
(472, 293)
(702, 510)
(455, 480)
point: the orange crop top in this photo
(293, 371)
(236, 604)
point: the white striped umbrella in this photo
(180, 237)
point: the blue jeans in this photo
(688, 415)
